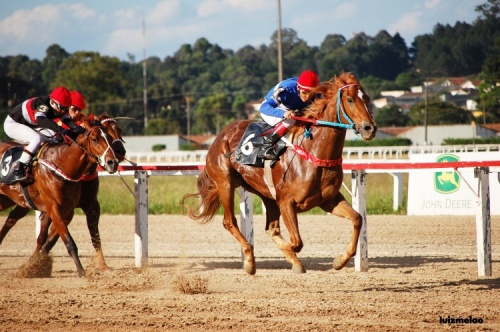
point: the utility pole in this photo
(144, 71)
(188, 115)
(425, 113)
(280, 56)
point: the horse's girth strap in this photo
(268, 178)
(27, 196)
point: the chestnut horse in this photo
(297, 183)
(57, 185)
(88, 195)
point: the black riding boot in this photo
(20, 173)
(267, 150)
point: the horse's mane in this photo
(103, 116)
(327, 91)
(90, 121)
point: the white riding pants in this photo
(24, 135)
(273, 121)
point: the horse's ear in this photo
(91, 117)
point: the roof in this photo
(491, 126)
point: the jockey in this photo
(77, 107)
(37, 112)
(280, 104)
(75, 110)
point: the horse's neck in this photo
(70, 159)
(327, 142)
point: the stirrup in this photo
(21, 173)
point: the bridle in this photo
(113, 121)
(98, 159)
(341, 113)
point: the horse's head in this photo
(97, 142)
(345, 101)
(116, 133)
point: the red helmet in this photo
(62, 96)
(308, 80)
(77, 100)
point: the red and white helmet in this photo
(62, 96)
(77, 100)
(308, 80)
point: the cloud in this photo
(211, 7)
(163, 11)
(345, 10)
(408, 23)
(41, 26)
(430, 4)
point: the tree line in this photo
(202, 87)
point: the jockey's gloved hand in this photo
(65, 132)
(78, 130)
(56, 139)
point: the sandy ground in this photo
(422, 270)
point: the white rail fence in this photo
(350, 153)
(359, 170)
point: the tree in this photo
(98, 77)
(438, 113)
(489, 89)
(391, 116)
(54, 57)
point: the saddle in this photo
(9, 159)
(251, 142)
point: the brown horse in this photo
(297, 183)
(88, 196)
(57, 185)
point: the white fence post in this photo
(397, 195)
(359, 204)
(246, 216)
(483, 223)
(141, 218)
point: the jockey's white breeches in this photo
(273, 121)
(24, 135)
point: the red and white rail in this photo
(359, 170)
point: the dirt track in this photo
(421, 269)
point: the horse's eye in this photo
(349, 99)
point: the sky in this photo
(115, 27)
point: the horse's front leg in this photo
(92, 211)
(41, 240)
(290, 220)
(90, 206)
(61, 227)
(230, 223)
(341, 208)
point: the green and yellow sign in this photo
(446, 182)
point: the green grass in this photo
(165, 194)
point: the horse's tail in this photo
(208, 201)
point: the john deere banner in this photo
(445, 192)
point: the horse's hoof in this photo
(298, 268)
(104, 269)
(249, 268)
(337, 265)
(81, 274)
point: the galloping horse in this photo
(56, 189)
(88, 196)
(297, 183)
